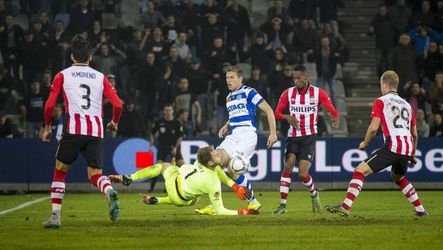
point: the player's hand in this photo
(336, 122)
(413, 160)
(271, 140)
(292, 121)
(247, 211)
(174, 151)
(111, 126)
(362, 145)
(242, 192)
(223, 131)
(47, 134)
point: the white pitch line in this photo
(29, 203)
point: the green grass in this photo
(382, 219)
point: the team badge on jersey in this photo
(217, 195)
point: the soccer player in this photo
(303, 102)
(185, 185)
(83, 90)
(241, 104)
(397, 119)
(170, 133)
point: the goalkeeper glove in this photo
(242, 192)
(246, 211)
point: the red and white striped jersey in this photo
(304, 106)
(83, 90)
(397, 119)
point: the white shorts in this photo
(242, 141)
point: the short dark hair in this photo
(81, 49)
(235, 69)
(301, 68)
(182, 111)
(204, 155)
(168, 104)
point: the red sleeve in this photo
(377, 109)
(110, 93)
(413, 123)
(325, 100)
(282, 105)
(56, 86)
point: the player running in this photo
(83, 90)
(241, 104)
(400, 133)
(303, 102)
(185, 185)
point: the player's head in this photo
(208, 157)
(389, 82)
(81, 50)
(168, 112)
(234, 77)
(300, 76)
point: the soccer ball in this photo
(239, 165)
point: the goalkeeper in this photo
(185, 185)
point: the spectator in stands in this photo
(220, 91)
(302, 9)
(6, 85)
(277, 33)
(81, 18)
(305, 41)
(57, 123)
(183, 118)
(151, 18)
(422, 36)
(108, 59)
(382, 26)
(211, 27)
(401, 14)
(11, 36)
(58, 34)
(210, 6)
(47, 27)
(3, 11)
(435, 94)
(415, 95)
(149, 82)
(46, 83)
(437, 129)
(338, 43)
(328, 12)
(439, 16)
(131, 123)
(34, 104)
(215, 57)
(184, 51)
(157, 44)
(61, 56)
(188, 100)
(32, 54)
(178, 66)
(278, 10)
(258, 82)
(425, 17)
(257, 52)
(190, 12)
(238, 26)
(276, 65)
(422, 126)
(326, 60)
(171, 28)
(6, 127)
(433, 62)
(403, 61)
(135, 48)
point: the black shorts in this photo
(164, 152)
(302, 147)
(383, 158)
(90, 147)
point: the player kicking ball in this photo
(185, 185)
(400, 132)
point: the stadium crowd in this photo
(174, 51)
(409, 40)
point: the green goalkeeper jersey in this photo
(197, 180)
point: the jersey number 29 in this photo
(403, 114)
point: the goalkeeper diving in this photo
(185, 185)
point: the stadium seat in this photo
(339, 89)
(129, 19)
(110, 21)
(22, 21)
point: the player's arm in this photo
(110, 93)
(223, 130)
(256, 99)
(281, 108)
(242, 192)
(50, 104)
(377, 115)
(414, 134)
(325, 100)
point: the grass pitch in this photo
(379, 220)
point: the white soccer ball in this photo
(239, 165)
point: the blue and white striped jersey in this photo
(241, 105)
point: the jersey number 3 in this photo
(403, 114)
(86, 97)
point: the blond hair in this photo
(391, 79)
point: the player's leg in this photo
(67, 151)
(161, 157)
(307, 150)
(285, 180)
(398, 172)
